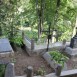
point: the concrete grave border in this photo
(29, 44)
(9, 72)
(31, 47)
(58, 72)
(8, 53)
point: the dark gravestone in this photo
(73, 43)
(5, 45)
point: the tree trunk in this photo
(0, 31)
(55, 21)
(74, 30)
(40, 14)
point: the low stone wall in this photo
(58, 69)
(7, 55)
(51, 62)
(31, 47)
(29, 44)
(71, 52)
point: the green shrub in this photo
(2, 70)
(58, 57)
(32, 34)
(17, 40)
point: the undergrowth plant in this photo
(17, 40)
(41, 71)
(2, 70)
(58, 57)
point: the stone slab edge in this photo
(52, 63)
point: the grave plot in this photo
(5, 48)
(22, 61)
(32, 47)
(62, 65)
(71, 50)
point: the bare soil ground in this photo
(23, 61)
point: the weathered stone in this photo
(9, 72)
(52, 63)
(29, 71)
(4, 62)
(58, 70)
(47, 57)
(71, 51)
(5, 46)
(5, 49)
(69, 73)
(27, 42)
(65, 67)
(32, 44)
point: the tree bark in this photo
(74, 30)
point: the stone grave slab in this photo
(71, 52)
(5, 45)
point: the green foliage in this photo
(34, 35)
(66, 35)
(2, 70)
(13, 60)
(14, 13)
(9, 18)
(66, 11)
(58, 57)
(17, 40)
(41, 71)
(31, 34)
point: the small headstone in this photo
(58, 70)
(29, 71)
(9, 72)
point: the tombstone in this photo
(29, 71)
(73, 43)
(58, 70)
(71, 51)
